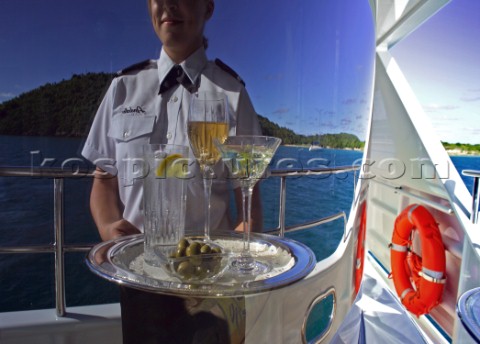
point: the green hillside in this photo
(66, 108)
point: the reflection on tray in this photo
(121, 261)
(210, 268)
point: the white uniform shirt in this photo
(133, 113)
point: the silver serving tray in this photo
(121, 261)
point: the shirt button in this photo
(126, 134)
(169, 136)
(174, 99)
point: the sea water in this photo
(26, 215)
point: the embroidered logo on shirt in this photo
(138, 110)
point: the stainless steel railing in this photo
(283, 174)
(59, 248)
(475, 193)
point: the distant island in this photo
(67, 108)
(461, 148)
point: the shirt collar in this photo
(192, 66)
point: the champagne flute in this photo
(247, 158)
(207, 120)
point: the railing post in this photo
(59, 241)
(58, 247)
(475, 193)
(476, 196)
(282, 206)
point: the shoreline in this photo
(450, 152)
(456, 152)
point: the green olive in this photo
(205, 249)
(184, 269)
(193, 249)
(180, 252)
(195, 260)
(183, 243)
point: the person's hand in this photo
(118, 229)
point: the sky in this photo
(307, 64)
(441, 61)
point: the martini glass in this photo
(247, 158)
(207, 120)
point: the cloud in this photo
(360, 117)
(6, 95)
(274, 77)
(471, 95)
(349, 101)
(438, 107)
(281, 111)
(447, 119)
(325, 112)
(470, 98)
(328, 125)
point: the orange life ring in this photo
(360, 255)
(427, 272)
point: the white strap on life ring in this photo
(432, 276)
(398, 248)
(405, 292)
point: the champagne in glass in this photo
(201, 135)
(247, 158)
(207, 120)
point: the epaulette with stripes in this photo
(136, 66)
(229, 70)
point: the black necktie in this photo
(176, 76)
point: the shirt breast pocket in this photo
(126, 128)
(130, 134)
